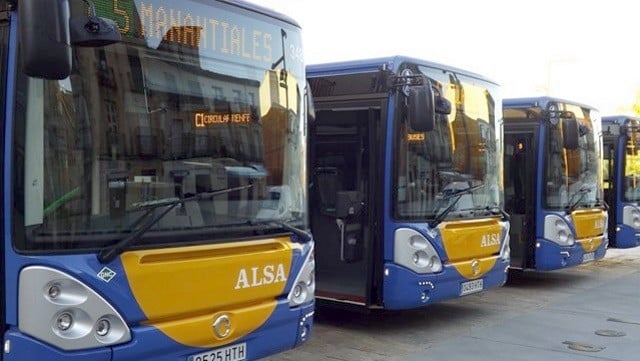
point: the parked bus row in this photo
(446, 194)
(149, 148)
(621, 139)
(177, 184)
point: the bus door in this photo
(340, 187)
(4, 41)
(519, 189)
(610, 166)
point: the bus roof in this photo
(538, 102)
(620, 119)
(373, 64)
(262, 10)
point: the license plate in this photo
(471, 287)
(588, 257)
(236, 352)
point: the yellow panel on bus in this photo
(184, 290)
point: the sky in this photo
(585, 51)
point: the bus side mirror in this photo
(93, 31)
(421, 109)
(570, 132)
(443, 106)
(44, 38)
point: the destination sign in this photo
(416, 137)
(216, 30)
(202, 119)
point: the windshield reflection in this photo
(573, 176)
(459, 154)
(135, 127)
(632, 165)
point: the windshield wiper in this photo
(448, 195)
(580, 193)
(493, 210)
(497, 210)
(146, 221)
(306, 236)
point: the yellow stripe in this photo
(590, 226)
(589, 223)
(472, 246)
(590, 244)
(183, 290)
(199, 332)
(475, 268)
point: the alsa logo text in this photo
(260, 276)
(599, 224)
(491, 239)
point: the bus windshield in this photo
(631, 189)
(173, 111)
(573, 176)
(460, 154)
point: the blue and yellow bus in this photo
(553, 183)
(406, 183)
(154, 201)
(621, 172)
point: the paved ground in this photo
(536, 316)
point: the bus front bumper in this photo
(286, 328)
(550, 256)
(405, 289)
(626, 237)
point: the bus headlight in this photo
(58, 309)
(557, 230)
(422, 260)
(414, 251)
(562, 236)
(64, 321)
(103, 327)
(304, 287)
(54, 291)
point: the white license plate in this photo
(588, 257)
(236, 352)
(471, 287)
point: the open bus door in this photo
(3, 322)
(519, 184)
(340, 207)
(610, 165)
(4, 47)
(2, 260)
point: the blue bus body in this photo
(553, 190)
(403, 220)
(153, 204)
(621, 177)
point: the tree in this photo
(636, 104)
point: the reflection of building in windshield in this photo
(460, 152)
(582, 168)
(154, 112)
(471, 128)
(632, 164)
(572, 172)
